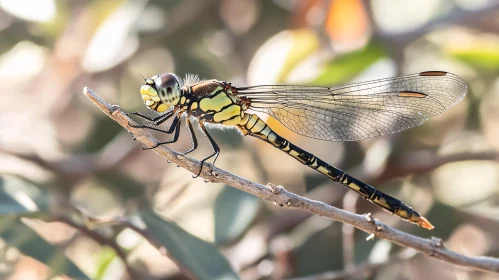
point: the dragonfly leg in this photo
(170, 130)
(216, 149)
(175, 127)
(192, 135)
(156, 121)
(141, 115)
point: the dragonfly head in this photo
(161, 92)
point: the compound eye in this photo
(166, 83)
(168, 88)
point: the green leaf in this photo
(106, 257)
(19, 235)
(18, 196)
(482, 57)
(343, 68)
(234, 211)
(317, 246)
(305, 43)
(201, 258)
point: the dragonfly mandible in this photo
(340, 113)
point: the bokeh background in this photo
(76, 191)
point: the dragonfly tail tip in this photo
(423, 222)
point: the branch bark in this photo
(277, 194)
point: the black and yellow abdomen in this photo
(254, 126)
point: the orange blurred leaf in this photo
(347, 21)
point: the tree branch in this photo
(282, 197)
(103, 241)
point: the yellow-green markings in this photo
(151, 99)
(225, 110)
(214, 103)
(229, 116)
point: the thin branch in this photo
(280, 196)
(85, 164)
(103, 241)
(91, 223)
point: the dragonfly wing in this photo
(358, 111)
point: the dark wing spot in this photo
(169, 90)
(408, 93)
(433, 73)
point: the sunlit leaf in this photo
(470, 185)
(403, 16)
(470, 238)
(277, 57)
(18, 196)
(19, 235)
(304, 43)
(115, 40)
(32, 10)
(106, 256)
(347, 21)
(201, 258)
(482, 57)
(234, 212)
(13, 63)
(346, 67)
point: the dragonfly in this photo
(348, 112)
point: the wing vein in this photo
(357, 111)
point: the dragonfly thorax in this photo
(161, 92)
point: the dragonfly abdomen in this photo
(254, 126)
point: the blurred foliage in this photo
(75, 188)
(18, 234)
(201, 259)
(348, 66)
(18, 196)
(234, 211)
(486, 58)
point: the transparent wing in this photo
(358, 111)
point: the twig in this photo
(103, 241)
(283, 197)
(92, 223)
(85, 164)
